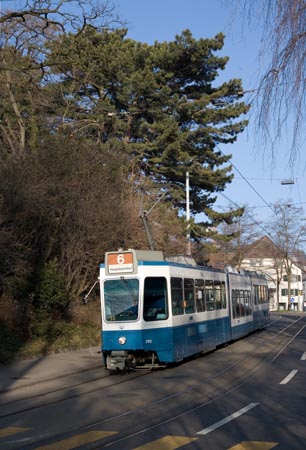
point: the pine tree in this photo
(161, 104)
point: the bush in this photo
(10, 344)
(51, 299)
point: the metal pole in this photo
(188, 244)
(144, 217)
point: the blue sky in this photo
(161, 20)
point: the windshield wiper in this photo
(135, 299)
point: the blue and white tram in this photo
(157, 311)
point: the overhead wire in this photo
(250, 91)
(246, 180)
(291, 203)
(267, 205)
(255, 221)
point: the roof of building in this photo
(262, 248)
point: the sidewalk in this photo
(28, 372)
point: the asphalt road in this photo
(249, 395)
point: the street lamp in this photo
(288, 181)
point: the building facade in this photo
(264, 257)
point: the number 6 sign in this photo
(120, 262)
(120, 259)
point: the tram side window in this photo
(200, 298)
(189, 295)
(247, 303)
(260, 294)
(235, 307)
(209, 295)
(263, 294)
(218, 297)
(155, 303)
(223, 295)
(266, 294)
(177, 296)
(241, 303)
(256, 294)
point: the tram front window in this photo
(121, 299)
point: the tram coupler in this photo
(116, 360)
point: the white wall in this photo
(267, 266)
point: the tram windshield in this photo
(121, 299)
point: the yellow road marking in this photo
(12, 430)
(254, 445)
(77, 441)
(167, 443)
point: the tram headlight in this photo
(122, 340)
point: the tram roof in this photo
(156, 257)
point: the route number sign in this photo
(120, 262)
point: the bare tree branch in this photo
(281, 99)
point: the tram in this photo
(157, 311)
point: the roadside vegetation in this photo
(95, 129)
(65, 336)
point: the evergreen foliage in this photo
(160, 102)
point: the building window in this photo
(293, 292)
(294, 278)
